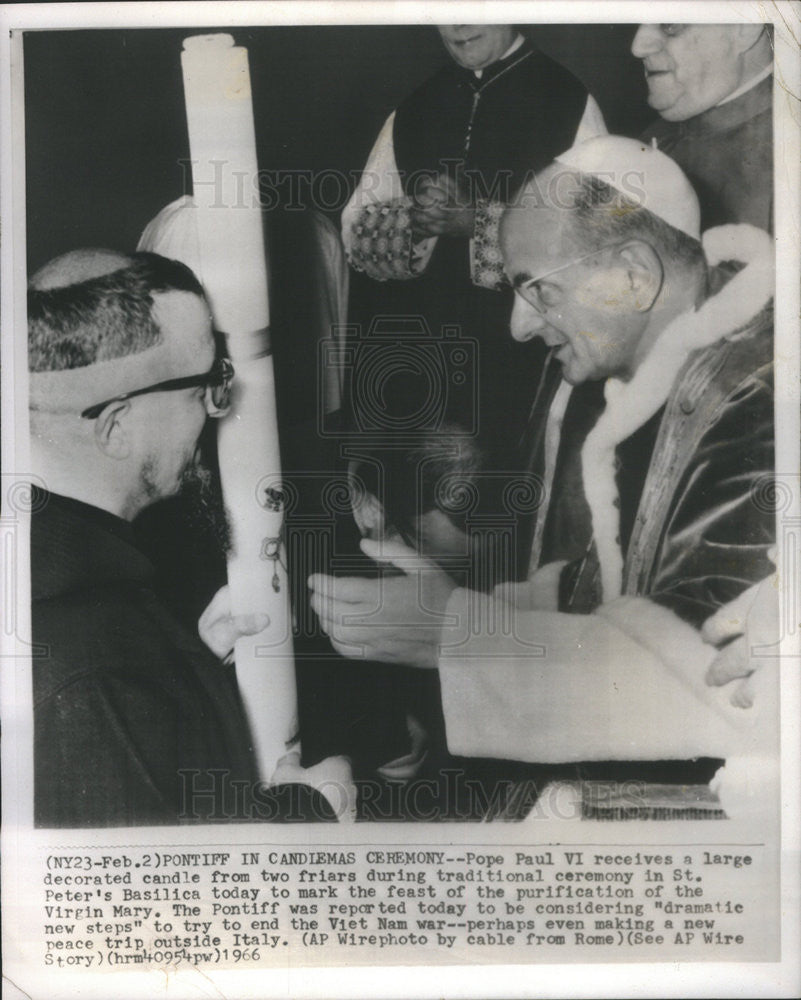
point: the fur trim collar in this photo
(630, 404)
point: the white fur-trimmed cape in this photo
(630, 404)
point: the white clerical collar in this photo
(763, 75)
(512, 48)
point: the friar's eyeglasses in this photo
(217, 382)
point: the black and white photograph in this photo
(400, 433)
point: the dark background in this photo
(105, 127)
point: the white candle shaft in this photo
(234, 274)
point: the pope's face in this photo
(575, 301)
(689, 67)
(476, 46)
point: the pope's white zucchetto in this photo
(641, 173)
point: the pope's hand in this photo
(220, 629)
(395, 619)
(750, 625)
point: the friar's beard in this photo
(205, 507)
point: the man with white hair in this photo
(615, 280)
(712, 85)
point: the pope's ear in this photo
(644, 272)
(112, 435)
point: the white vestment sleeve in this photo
(625, 683)
(381, 183)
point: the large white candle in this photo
(234, 274)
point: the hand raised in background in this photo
(442, 209)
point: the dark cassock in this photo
(487, 131)
(125, 698)
(136, 722)
(727, 154)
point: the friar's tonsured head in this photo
(122, 368)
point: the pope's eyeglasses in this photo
(542, 300)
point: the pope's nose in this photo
(526, 322)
